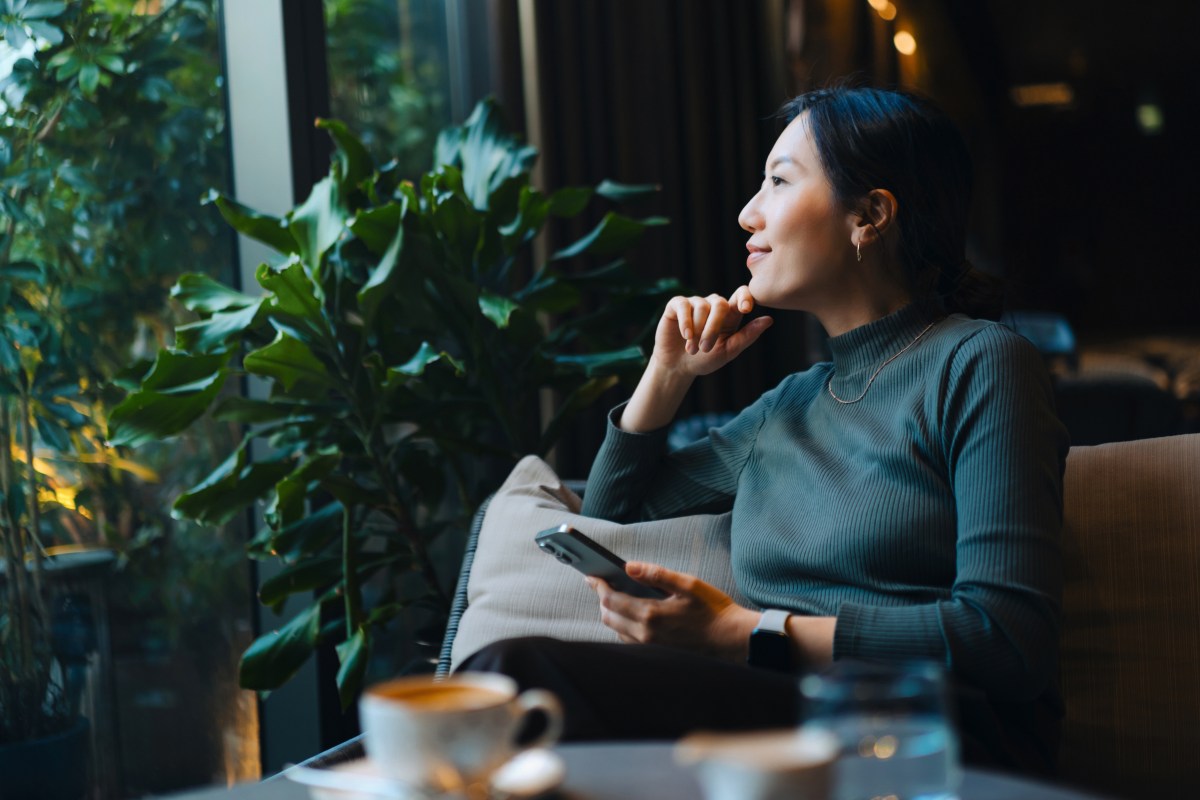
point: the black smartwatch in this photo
(770, 647)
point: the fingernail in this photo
(706, 345)
(744, 307)
(634, 569)
(589, 581)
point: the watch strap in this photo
(773, 620)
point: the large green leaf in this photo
(353, 160)
(202, 294)
(621, 192)
(179, 388)
(614, 234)
(291, 491)
(379, 284)
(457, 226)
(275, 657)
(228, 489)
(203, 336)
(549, 292)
(569, 201)
(303, 576)
(290, 362)
(293, 291)
(304, 536)
(532, 208)
(593, 364)
(376, 227)
(353, 655)
(425, 355)
(269, 230)
(249, 411)
(485, 152)
(496, 308)
(317, 224)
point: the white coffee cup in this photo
(787, 764)
(448, 735)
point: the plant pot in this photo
(51, 768)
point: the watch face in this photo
(770, 650)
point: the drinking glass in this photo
(891, 720)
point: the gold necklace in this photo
(875, 374)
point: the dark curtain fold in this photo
(679, 93)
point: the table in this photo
(621, 771)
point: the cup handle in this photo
(541, 700)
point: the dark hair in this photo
(870, 138)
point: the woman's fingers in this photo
(708, 324)
(719, 320)
(747, 336)
(679, 308)
(742, 300)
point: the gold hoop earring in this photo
(858, 251)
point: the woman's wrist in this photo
(734, 633)
(812, 639)
(658, 396)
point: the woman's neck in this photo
(841, 319)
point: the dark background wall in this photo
(1081, 210)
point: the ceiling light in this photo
(878, 5)
(888, 11)
(1043, 94)
(1150, 118)
(905, 43)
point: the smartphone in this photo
(574, 549)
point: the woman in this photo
(902, 501)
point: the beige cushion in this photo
(517, 590)
(1131, 617)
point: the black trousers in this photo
(638, 692)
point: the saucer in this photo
(528, 775)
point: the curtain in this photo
(679, 93)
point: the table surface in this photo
(621, 771)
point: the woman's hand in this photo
(699, 335)
(696, 336)
(695, 616)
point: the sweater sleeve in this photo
(635, 478)
(1005, 451)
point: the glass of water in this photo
(897, 741)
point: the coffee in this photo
(441, 696)
(446, 735)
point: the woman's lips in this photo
(756, 254)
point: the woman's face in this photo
(801, 245)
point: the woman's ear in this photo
(876, 214)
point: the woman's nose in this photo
(750, 219)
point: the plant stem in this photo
(352, 596)
(398, 511)
(35, 512)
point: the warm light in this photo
(886, 746)
(888, 11)
(1043, 94)
(1150, 118)
(878, 5)
(905, 42)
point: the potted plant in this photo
(401, 346)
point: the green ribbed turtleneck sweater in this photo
(926, 517)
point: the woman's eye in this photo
(776, 180)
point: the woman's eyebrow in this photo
(775, 162)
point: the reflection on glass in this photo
(113, 128)
(388, 77)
